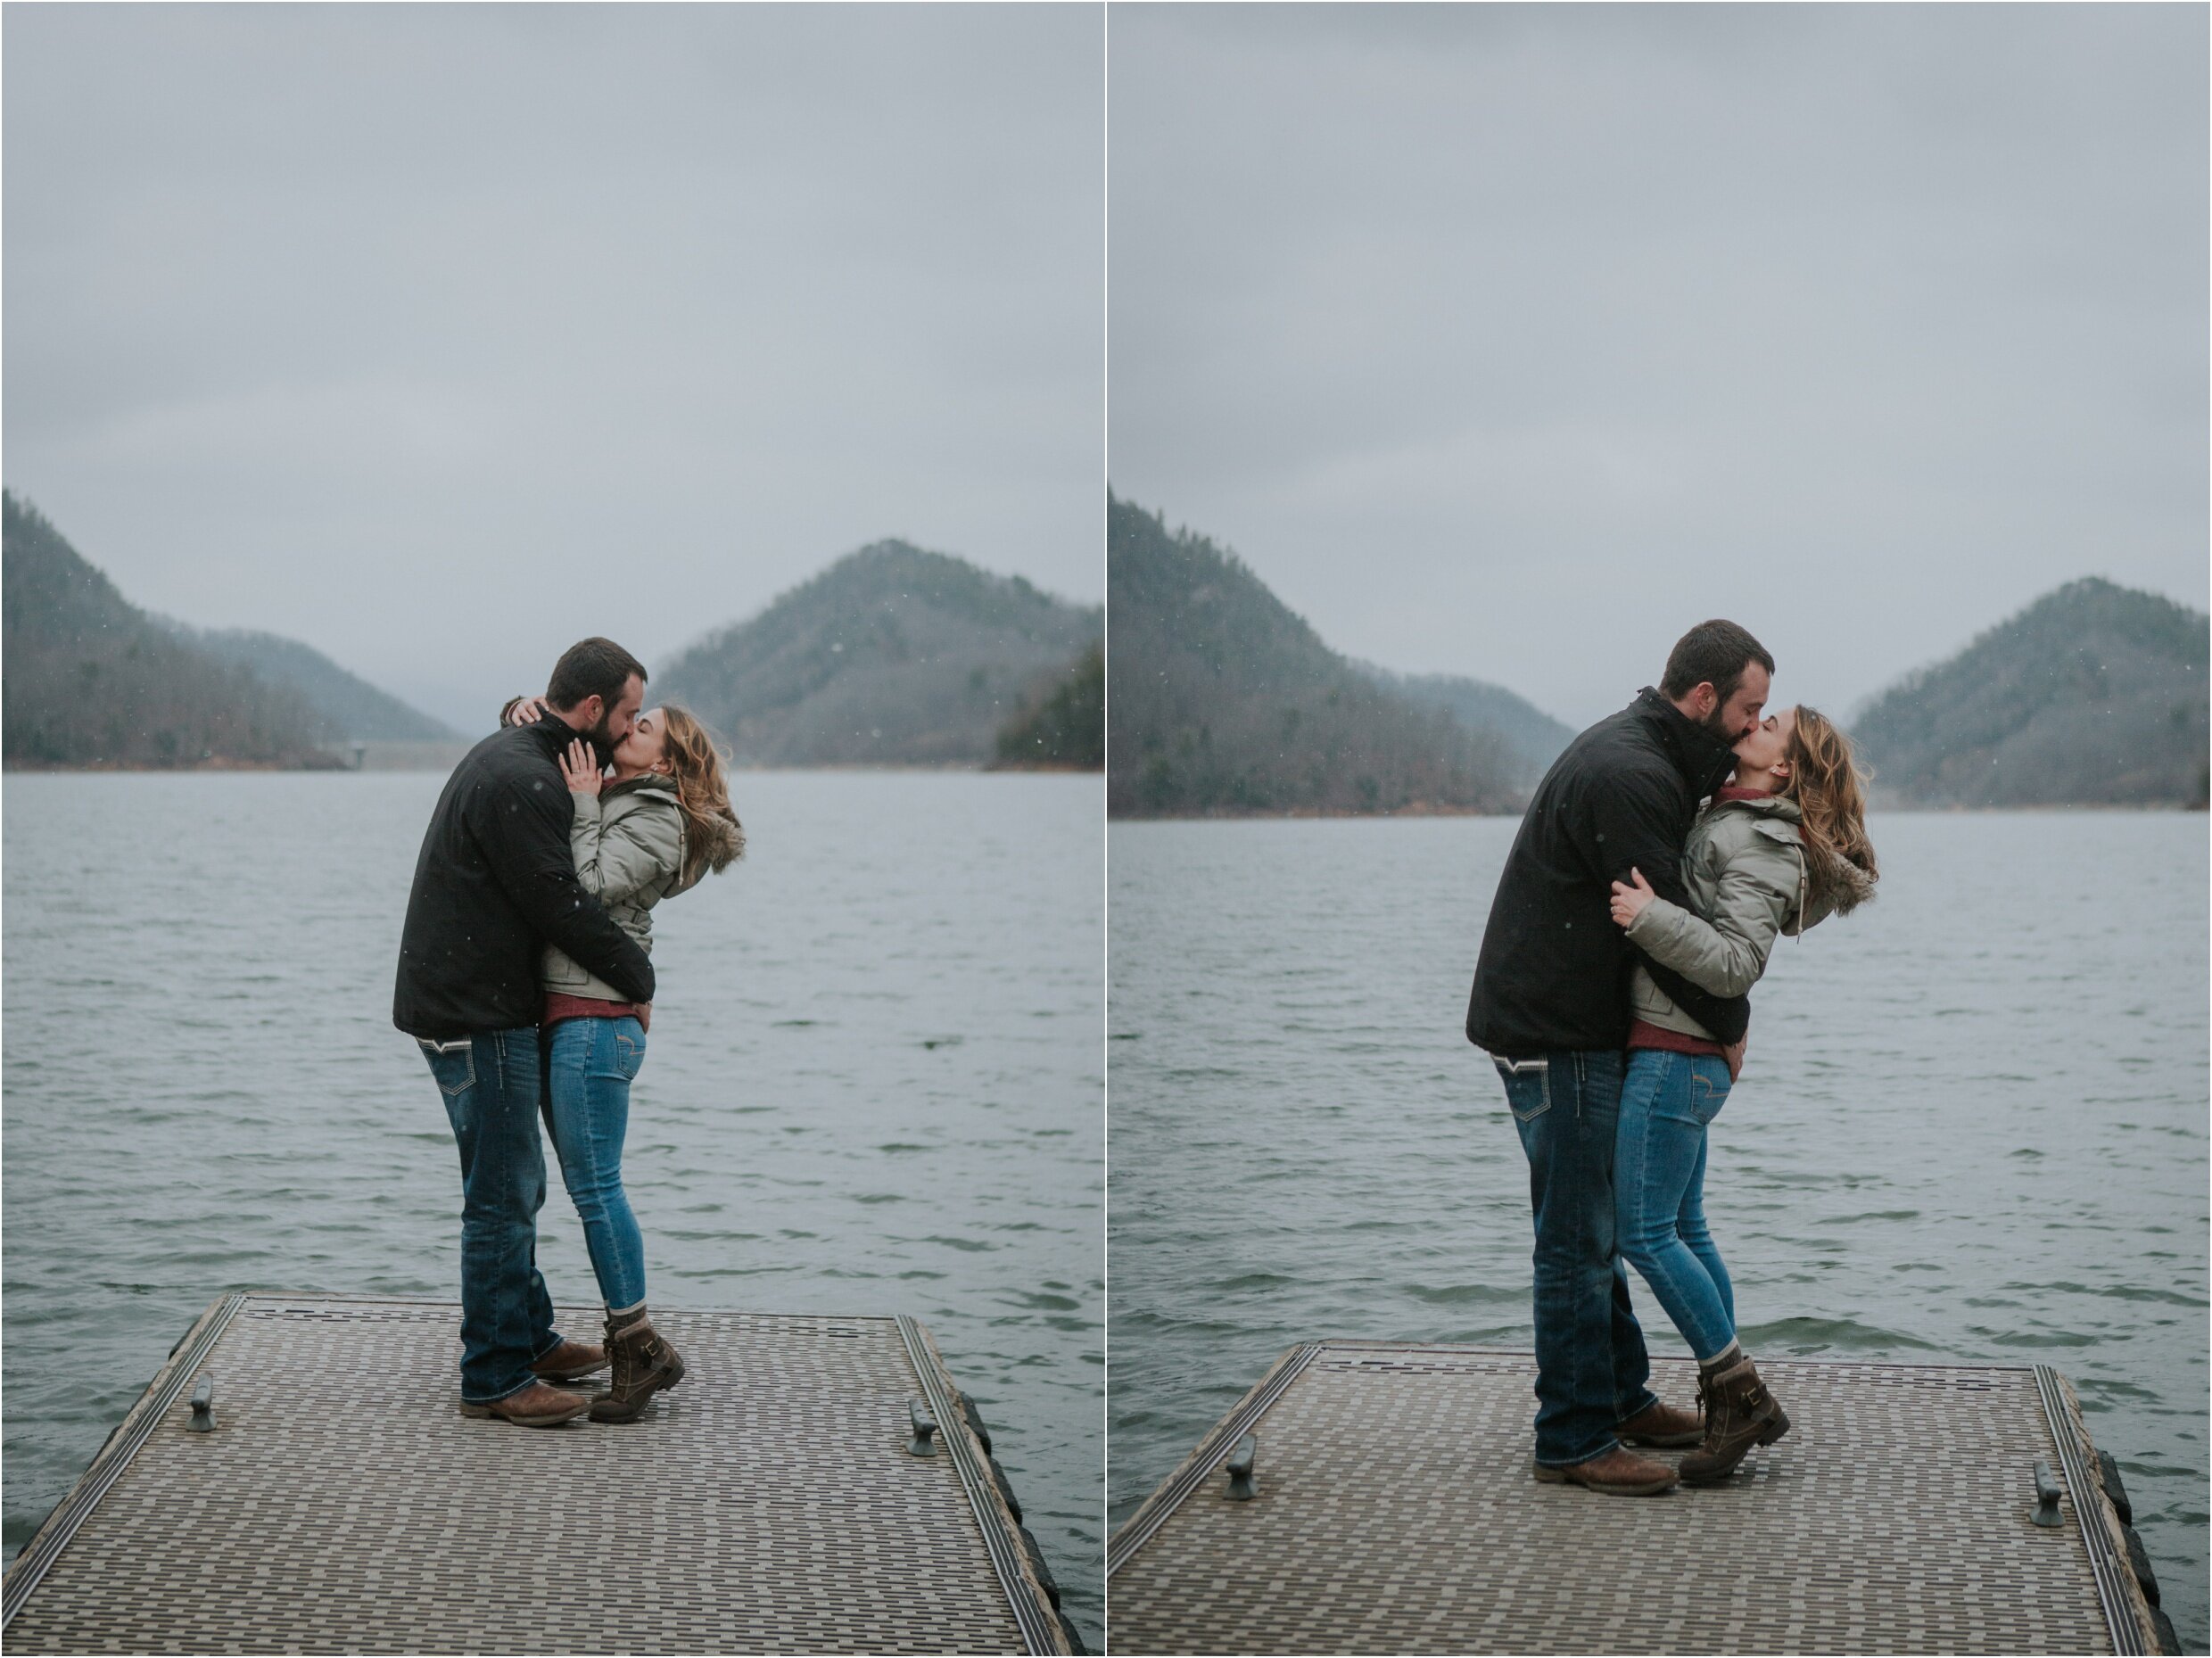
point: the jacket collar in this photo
(549, 734)
(1703, 759)
(1757, 800)
(553, 735)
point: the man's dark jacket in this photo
(1553, 971)
(496, 882)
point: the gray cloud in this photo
(1509, 341)
(440, 335)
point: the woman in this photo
(650, 830)
(1781, 848)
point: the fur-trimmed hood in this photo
(1827, 885)
(724, 840)
(1834, 886)
(722, 843)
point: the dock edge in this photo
(1015, 1554)
(2135, 1625)
(115, 1453)
(1192, 1472)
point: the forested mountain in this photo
(2094, 695)
(1535, 737)
(347, 708)
(1065, 729)
(91, 680)
(892, 655)
(1223, 701)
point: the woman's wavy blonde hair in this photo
(712, 836)
(1830, 787)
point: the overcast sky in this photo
(440, 336)
(1510, 341)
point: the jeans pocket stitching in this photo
(1509, 1073)
(1706, 1098)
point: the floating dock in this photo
(1372, 1496)
(814, 1485)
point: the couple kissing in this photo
(525, 979)
(1662, 855)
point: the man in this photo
(1550, 1004)
(496, 882)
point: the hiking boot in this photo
(1659, 1424)
(569, 1361)
(1739, 1413)
(644, 1363)
(1618, 1472)
(536, 1405)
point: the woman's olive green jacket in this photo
(628, 842)
(1751, 878)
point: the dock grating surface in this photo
(1396, 1512)
(767, 1503)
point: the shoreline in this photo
(265, 767)
(219, 763)
(1309, 814)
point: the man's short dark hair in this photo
(591, 667)
(1717, 651)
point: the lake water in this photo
(874, 1087)
(1972, 1128)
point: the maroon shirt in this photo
(558, 1007)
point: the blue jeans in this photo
(1591, 1368)
(589, 1065)
(1660, 1192)
(489, 1083)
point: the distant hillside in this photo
(1535, 737)
(1223, 701)
(892, 655)
(91, 680)
(2094, 695)
(1066, 728)
(347, 709)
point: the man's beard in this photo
(602, 741)
(1716, 724)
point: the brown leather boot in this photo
(1739, 1413)
(536, 1405)
(1659, 1424)
(1618, 1472)
(644, 1363)
(569, 1361)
